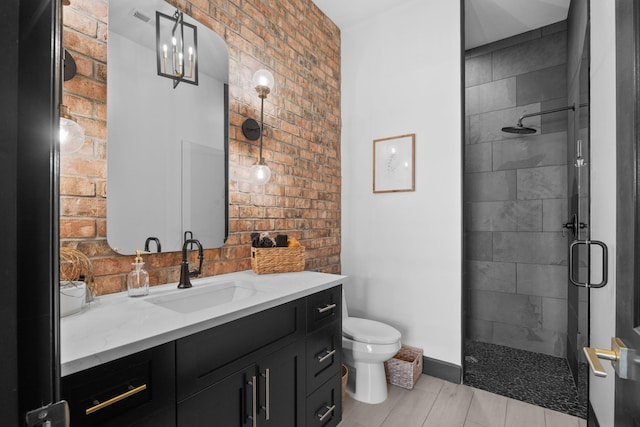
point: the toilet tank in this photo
(345, 314)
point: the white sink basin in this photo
(203, 296)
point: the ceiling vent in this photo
(141, 16)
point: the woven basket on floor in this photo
(405, 367)
(277, 260)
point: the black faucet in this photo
(184, 265)
(152, 239)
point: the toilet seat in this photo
(369, 331)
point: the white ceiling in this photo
(345, 13)
(486, 21)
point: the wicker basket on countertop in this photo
(277, 260)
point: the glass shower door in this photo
(577, 231)
(587, 258)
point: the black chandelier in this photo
(176, 48)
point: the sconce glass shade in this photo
(71, 133)
(260, 173)
(263, 81)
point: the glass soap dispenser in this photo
(138, 278)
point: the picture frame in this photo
(394, 164)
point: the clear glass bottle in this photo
(138, 278)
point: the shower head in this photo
(519, 129)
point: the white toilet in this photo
(366, 345)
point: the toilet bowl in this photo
(366, 345)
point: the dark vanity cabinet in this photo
(279, 367)
(267, 393)
(255, 363)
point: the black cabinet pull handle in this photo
(326, 308)
(116, 399)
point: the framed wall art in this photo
(394, 164)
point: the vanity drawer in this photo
(206, 357)
(323, 308)
(324, 355)
(137, 390)
(324, 406)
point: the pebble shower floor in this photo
(534, 378)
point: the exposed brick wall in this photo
(294, 40)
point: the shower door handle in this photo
(605, 263)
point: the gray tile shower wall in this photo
(516, 192)
(533, 55)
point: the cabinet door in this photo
(281, 392)
(201, 359)
(231, 402)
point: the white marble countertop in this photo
(116, 325)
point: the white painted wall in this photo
(603, 194)
(403, 251)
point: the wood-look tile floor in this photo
(434, 402)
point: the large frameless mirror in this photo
(167, 146)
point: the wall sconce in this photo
(71, 133)
(263, 81)
(171, 40)
(69, 65)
